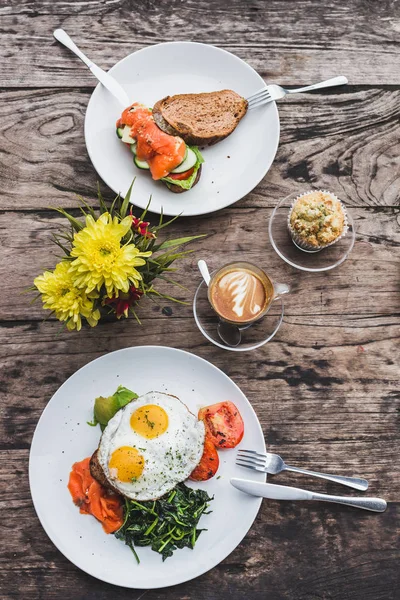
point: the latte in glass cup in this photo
(240, 293)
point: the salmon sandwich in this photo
(168, 158)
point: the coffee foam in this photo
(239, 295)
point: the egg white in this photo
(169, 458)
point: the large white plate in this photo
(174, 68)
(62, 437)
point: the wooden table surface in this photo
(326, 389)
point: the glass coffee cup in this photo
(241, 293)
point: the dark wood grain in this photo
(326, 389)
(27, 244)
(287, 42)
(350, 145)
(356, 556)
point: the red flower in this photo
(123, 302)
(141, 227)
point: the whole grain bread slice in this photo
(200, 119)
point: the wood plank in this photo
(350, 146)
(366, 284)
(289, 43)
(326, 393)
(326, 388)
(345, 554)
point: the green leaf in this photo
(179, 241)
(125, 203)
(144, 213)
(166, 297)
(77, 225)
(172, 282)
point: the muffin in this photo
(316, 220)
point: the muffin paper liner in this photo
(299, 241)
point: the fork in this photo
(273, 92)
(274, 464)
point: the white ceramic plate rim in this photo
(206, 566)
(190, 213)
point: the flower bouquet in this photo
(111, 261)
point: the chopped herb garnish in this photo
(149, 423)
(165, 524)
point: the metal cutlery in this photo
(274, 464)
(284, 492)
(109, 82)
(274, 92)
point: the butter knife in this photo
(284, 492)
(109, 82)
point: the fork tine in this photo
(253, 452)
(260, 97)
(248, 465)
(255, 99)
(260, 103)
(260, 93)
(250, 459)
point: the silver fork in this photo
(273, 464)
(273, 92)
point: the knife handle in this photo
(374, 504)
(63, 37)
(353, 482)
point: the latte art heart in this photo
(242, 290)
(239, 295)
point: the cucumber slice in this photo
(188, 162)
(133, 148)
(126, 138)
(141, 164)
(120, 131)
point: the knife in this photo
(109, 82)
(284, 492)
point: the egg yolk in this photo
(150, 421)
(127, 462)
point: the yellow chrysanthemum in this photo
(60, 295)
(100, 258)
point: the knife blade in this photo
(270, 490)
(111, 84)
(284, 492)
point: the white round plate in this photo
(63, 437)
(233, 167)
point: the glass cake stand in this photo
(252, 337)
(321, 260)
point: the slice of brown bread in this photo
(97, 472)
(200, 119)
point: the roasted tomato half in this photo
(224, 424)
(208, 464)
(181, 176)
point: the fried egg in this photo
(150, 445)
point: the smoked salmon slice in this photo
(163, 152)
(93, 498)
